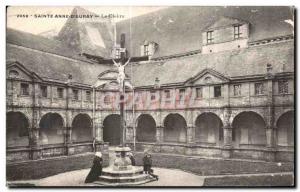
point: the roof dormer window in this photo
(209, 37)
(148, 48)
(237, 31)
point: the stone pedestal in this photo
(121, 172)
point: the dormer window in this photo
(148, 48)
(237, 31)
(209, 37)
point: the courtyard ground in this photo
(167, 177)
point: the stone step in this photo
(104, 183)
(130, 179)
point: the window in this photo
(146, 50)
(217, 91)
(237, 31)
(259, 88)
(152, 95)
(237, 90)
(88, 96)
(43, 90)
(75, 94)
(107, 99)
(60, 93)
(283, 87)
(24, 89)
(199, 93)
(209, 36)
(181, 94)
(167, 94)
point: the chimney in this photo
(122, 41)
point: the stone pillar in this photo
(98, 132)
(270, 144)
(129, 134)
(159, 134)
(35, 152)
(270, 136)
(190, 134)
(227, 133)
(227, 147)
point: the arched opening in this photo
(209, 129)
(111, 129)
(285, 129)
(146, 128)
(51, 129)
(175, 128)
(82, 128)
(16, 129)
(249, 129)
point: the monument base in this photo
(122, 173)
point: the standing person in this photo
(147, 162)
(96, 169)
(131, 157)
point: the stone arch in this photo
(17, 129)
(285, 129)
(82, 128)
(249, 129)
(235, 113)
(175, 128)
(51, 129)
(111, 129)
(146, 128)
(209, 129)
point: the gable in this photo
(208, 79)
(208, 76)
(17, 71)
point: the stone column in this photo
(190, 134)
(227, 133)
(35, 152)
(227, 146)
(270, 136)
(159, 134)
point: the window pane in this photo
(24, 89)
(60, 93)
(283, 86)
(75, 94)
(88, 96)
(217, 91)
(236, 90)
(199, 92)
(44, 91)
(259, 89)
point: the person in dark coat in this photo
(147, 162)
(96, 169)
(131, 157)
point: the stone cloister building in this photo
(219, 86)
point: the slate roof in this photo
(52, 67)
(38, 42)
(178, 29)
(239, 63)
(76, 36)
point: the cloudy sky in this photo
(40, 25)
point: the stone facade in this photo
(211, 114)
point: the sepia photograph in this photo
(150, 96)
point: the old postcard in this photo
(188, 96)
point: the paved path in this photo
(167, 177)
